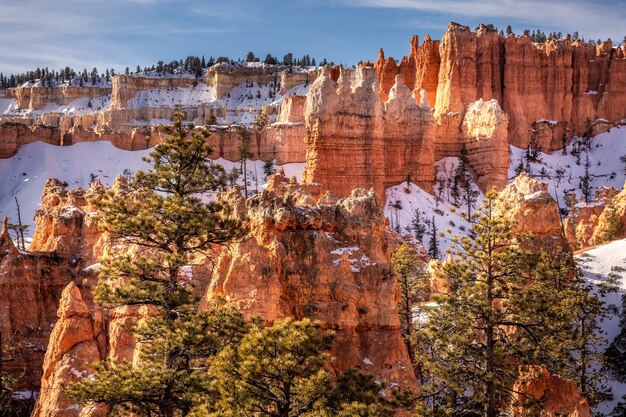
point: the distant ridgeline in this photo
(192, 65)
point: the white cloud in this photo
(587, 17)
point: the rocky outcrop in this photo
(311, 255)
(67, 223)
(611, 222)
(14, 135)
(550, 91)
(223, 77)
(36, 98)
(355, 140)
(582, 223)
(126, 87)
(485, 139)
(538, 393)
(31, 286)
(72, 351)
(536, 214)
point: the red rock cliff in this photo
(356, 140)
(561, 81)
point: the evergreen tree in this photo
(509, 30)
(463, 190)
(418, 225)
(616, 352)
(244, 153)
(260, 121)
(414, 288)
(288, 59)
(94, 76)
(268, 168)
(613, 225)
(585, 182)
(164, 215)
(433, 243)
(505, 306)
(279, 372)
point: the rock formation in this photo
(36, 98)
(535, 212)
(555, 88)
(72, 351)
(31, 286)
(311, 255)
(583, 220)
(356, 140)
(223, 77)
(126, 87)
(540, 394)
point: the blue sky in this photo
(120, 33)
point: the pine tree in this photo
(418, 225)
(413, 288)
(260, 121)
(268, 168)
(585, 182)
(433, 243)
(616, 352)
(505, 305)
(279, 371)
(613, 224)
(244, 153)
(164, 215)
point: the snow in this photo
(7, 105)
(356, 263)
(411, 197)
(242, 103)
(596, 266)
(552, 122)
(605, 167)
(93, 267)
(533, 196)
(25, 394)
(170, 97)
(24, 174)
(80, 106)
(368, 361)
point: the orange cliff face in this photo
(553, 88)
(308, 255)
(355, 140)
(313, 255)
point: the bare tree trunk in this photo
(20, 231)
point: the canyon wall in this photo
(550, 91)
(309, 255)
(36, 98)
(356, 140)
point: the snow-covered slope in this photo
(24, 175)
(241, 104)
(404, 199)
(596, 265)
(562, 172)
(170, 97)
